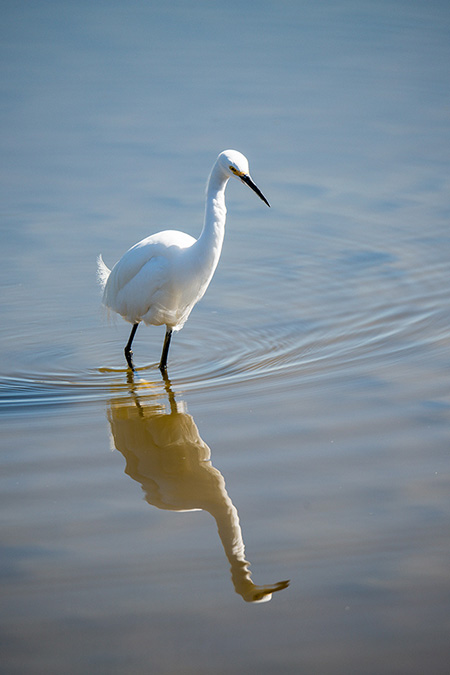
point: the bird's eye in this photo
(233, 169)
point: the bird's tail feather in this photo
(103, 272)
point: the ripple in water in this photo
(333, 318)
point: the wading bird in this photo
(161, 278)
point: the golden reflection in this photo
(164, 452)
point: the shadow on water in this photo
(166, 455)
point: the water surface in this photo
(304, 433)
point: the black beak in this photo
(248, 181)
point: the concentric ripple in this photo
(364, 309)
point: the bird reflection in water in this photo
(166, 455)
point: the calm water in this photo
(304, 433)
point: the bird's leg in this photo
(127, 350)
(165, 351)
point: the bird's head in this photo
(235, 164)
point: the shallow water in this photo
(304, 432)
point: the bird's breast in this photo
(160, 279)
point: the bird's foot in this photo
(129, 359)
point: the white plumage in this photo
(161, 278)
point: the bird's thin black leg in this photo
(127, 350)
(165, 351)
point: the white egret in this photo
(161, 278)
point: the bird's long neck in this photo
(209, 244)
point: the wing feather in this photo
(139, 281)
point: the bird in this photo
(160, 279)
